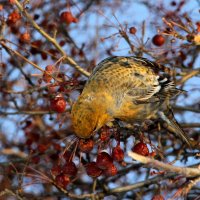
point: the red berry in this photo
(35, 46)
(44, 55)
(56, 170)
(47, 75)
(158, 197)
(104, 160)
(37, 43)
(58, 104)
(141, 148)
(53, 52)
(73, 51)
(70, 169)
(13, 17)
(62, 180)
(92, 170)
(49, 68)
(111, 171)
(42, 148)
(62, 43)
(68, 18)
(81, 53)
(132, 30)
(25, 37)
(86, 145)
(158, 40)
(117, 153)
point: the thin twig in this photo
(137, 185)
(12, 152)
(18, 54)
(188, 76)
(9, 192)
(28, 112)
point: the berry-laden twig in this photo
(68, 59)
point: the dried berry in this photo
(111, 171)
(47, 75)
(86, 145)
(92, 170)
(141, 148)
(70, 169)
(104, 160)
(56, 170)
(62, 180)
(118, 153)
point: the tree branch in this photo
(187, 171)
(68, 59)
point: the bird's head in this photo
(88, 115)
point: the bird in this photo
(127, 88)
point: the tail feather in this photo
(173, 126)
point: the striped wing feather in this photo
(144, 80)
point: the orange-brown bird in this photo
(130, 89)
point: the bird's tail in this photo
(173, 126)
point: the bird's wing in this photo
(157, 81)
(143, 80)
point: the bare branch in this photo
(188, 172)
